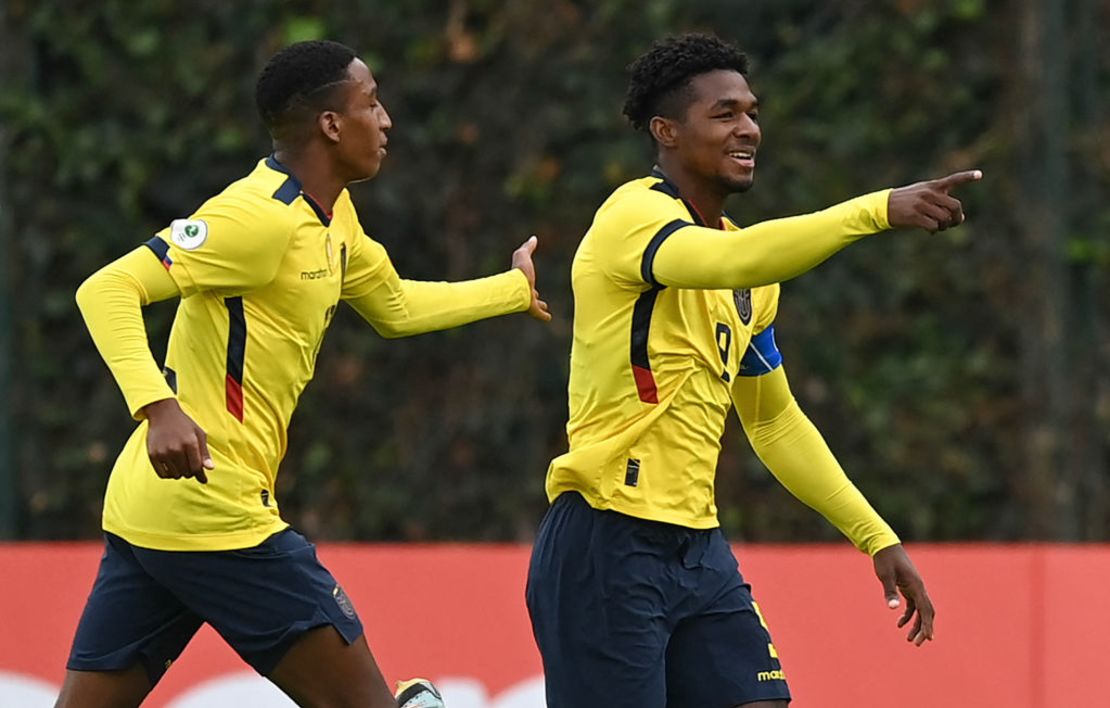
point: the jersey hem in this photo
(196, 542)
(644, 514)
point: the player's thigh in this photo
(261, 600)
(596, 601)
(129, 633)
(322, 670)
(725, 657)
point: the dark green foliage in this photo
(913, 353)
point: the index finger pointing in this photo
(957, 178)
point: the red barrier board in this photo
(1017, 626)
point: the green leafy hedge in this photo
(924, 359)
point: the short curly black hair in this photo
(659, 80)
(297, 78)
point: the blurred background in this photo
(961, 378)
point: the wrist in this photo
(890, 545)
(882, 209)
(158, 409)
(524, 288)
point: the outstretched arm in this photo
(686, 256)
(111, 301)
(793, 449)
(396, 307)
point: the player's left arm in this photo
(397, 307)
(793, 449)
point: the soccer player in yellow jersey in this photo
(192, 526)
(635, 597)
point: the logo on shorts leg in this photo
(776, 675)
(343, 601)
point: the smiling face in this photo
(359, 131)
(716, 139)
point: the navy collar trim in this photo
(666, 186)
(291, 188)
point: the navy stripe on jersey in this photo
(648, 261)
(763, 355)
(236, 353)
(641, 315)
(641, 325)
(161, 249)
(291, 188)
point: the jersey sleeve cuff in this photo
(522, 299)
(864, 215)
(879, 541)
(139, 399)
(881, 208)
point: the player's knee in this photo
(104, 689)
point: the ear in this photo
(330, 124)
(664, 130)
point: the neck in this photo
(315, 173)
(705, 196)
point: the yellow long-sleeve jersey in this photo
(673, 327)
(260, 269)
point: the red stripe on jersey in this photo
(645, 384)
(234, 398)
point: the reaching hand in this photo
(177, 446)
(928, 205)
(896, 572)
(522, 258)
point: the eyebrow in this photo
(733, 103)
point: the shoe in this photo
(418, 693)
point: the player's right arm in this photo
(224, 247)
(111, 301)
(690, 256)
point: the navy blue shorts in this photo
(629, 613)
(146, 605)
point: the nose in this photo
(384, 121)
(748, 128)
